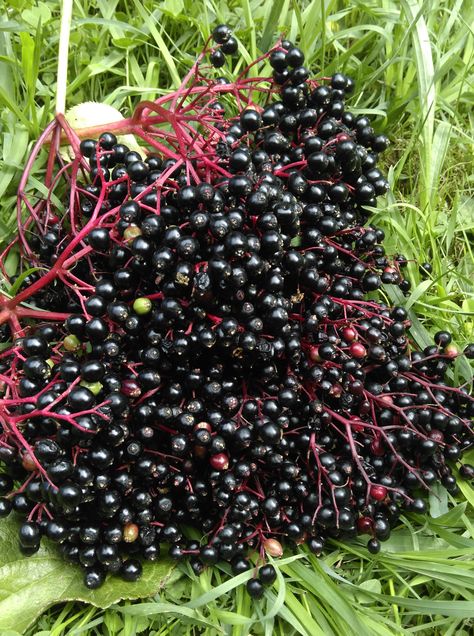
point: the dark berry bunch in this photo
(199, 347)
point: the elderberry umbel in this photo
(198, 347)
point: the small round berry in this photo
(221, 33)
(107, 140)
(142, 306)
(250, 120)
(378, 493)
(469, 351)
(29, 534)
(295, 57)
(230, 47)
(94, 577)
(99, 239)
(131, 570)
(442, 338)
(267, 574)
(5, 507)
(209, 555)
(255, 588)
(373, 546)
(220, 461)
(316, 545)
(138, 170)
(130, 532)
(380, 143)
(217, 58)
(273, 547)
(466, 471)
(87, 147)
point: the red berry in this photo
(130, 388)
(358, 350)
(437, 436)
(28, 462)
(130, 532)
(349, 334)
(219, 461)
(273, 547)
(451, 351)
(364, 525)
(378, 492)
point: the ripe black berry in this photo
(131, 570)
(255, 588)
(221, 33)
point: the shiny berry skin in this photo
(87, 147)
(442, 338)
(267, 574)
(5, 507)
(220, 461)
(294, 57)
(94, 577)
(373, 546)
(221, 33)
(35, 345)
(137, 170)
(230, 46)
(467, 471)
(378, 492)
(131, 570)
(217, 58)
(255, 589)
(99, 239)
(250, 120)
(209, 555)
(29, 534)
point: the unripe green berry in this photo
(71, 343)
(142, 306)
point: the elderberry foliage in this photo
(207, 348)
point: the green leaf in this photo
(29, 585)
(438, 500)
(271, 25)
(371, 585)
(174, 7)
(152, 609)
(38, 13)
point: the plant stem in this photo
(65, 30)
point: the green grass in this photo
(413, 64)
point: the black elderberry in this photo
(99, 239)
(230, 46)
(94, 577)
(255, 588)
(294, 57)
(278, 60)
(29, 534)
(221, 33)
(217, 58)
(250, 120)
(87, 147)
(267, 574)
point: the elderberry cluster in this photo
(221, 365)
